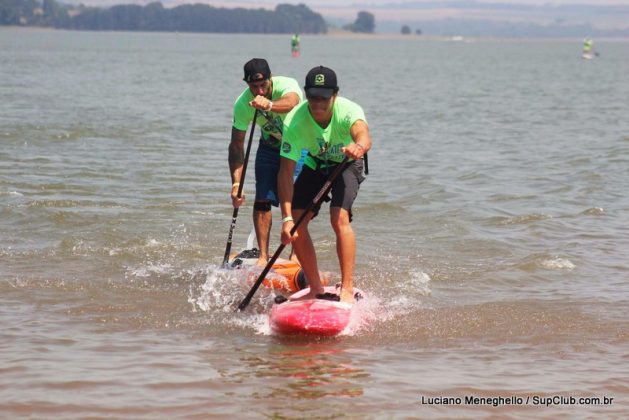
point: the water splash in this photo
(365, 314)
(221, 292)
(217, 293)
(374, 309)
(419, 282)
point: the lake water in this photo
(493, 231)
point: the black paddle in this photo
(228, 247)
(315, 202)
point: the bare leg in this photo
(262, 222)
(345, 249)
(306, 253)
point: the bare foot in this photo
(262, 262)
(347, 296)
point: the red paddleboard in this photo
(317, 317)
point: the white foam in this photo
(215, 293)
(150, 269)
(594, 211)
(152, 243)
(368, 312)
(260, 324)
(420, 282)
(223, 289)
(114, 251)
(219, 295)
(558, 264)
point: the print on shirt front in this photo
(273, 130)
(324, 145)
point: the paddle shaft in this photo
(232, 227)
(315, 202)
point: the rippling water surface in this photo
(492, 231)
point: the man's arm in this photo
(285, 192)
(236, 159)
(281, 106)
(362, 141)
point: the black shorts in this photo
(344, 188)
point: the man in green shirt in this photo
(331, 128)
(274, 97)
(294, 45)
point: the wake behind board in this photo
(313, 317)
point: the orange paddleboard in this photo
(285, 275)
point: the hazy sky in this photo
(313, 4)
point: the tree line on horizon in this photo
(154, 16)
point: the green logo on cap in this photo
(319, 79)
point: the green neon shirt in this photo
(301, 131)
(271, 130)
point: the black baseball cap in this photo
(256, 69)
(321, 81)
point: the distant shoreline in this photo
(340, 33)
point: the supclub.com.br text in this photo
(536, 400)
